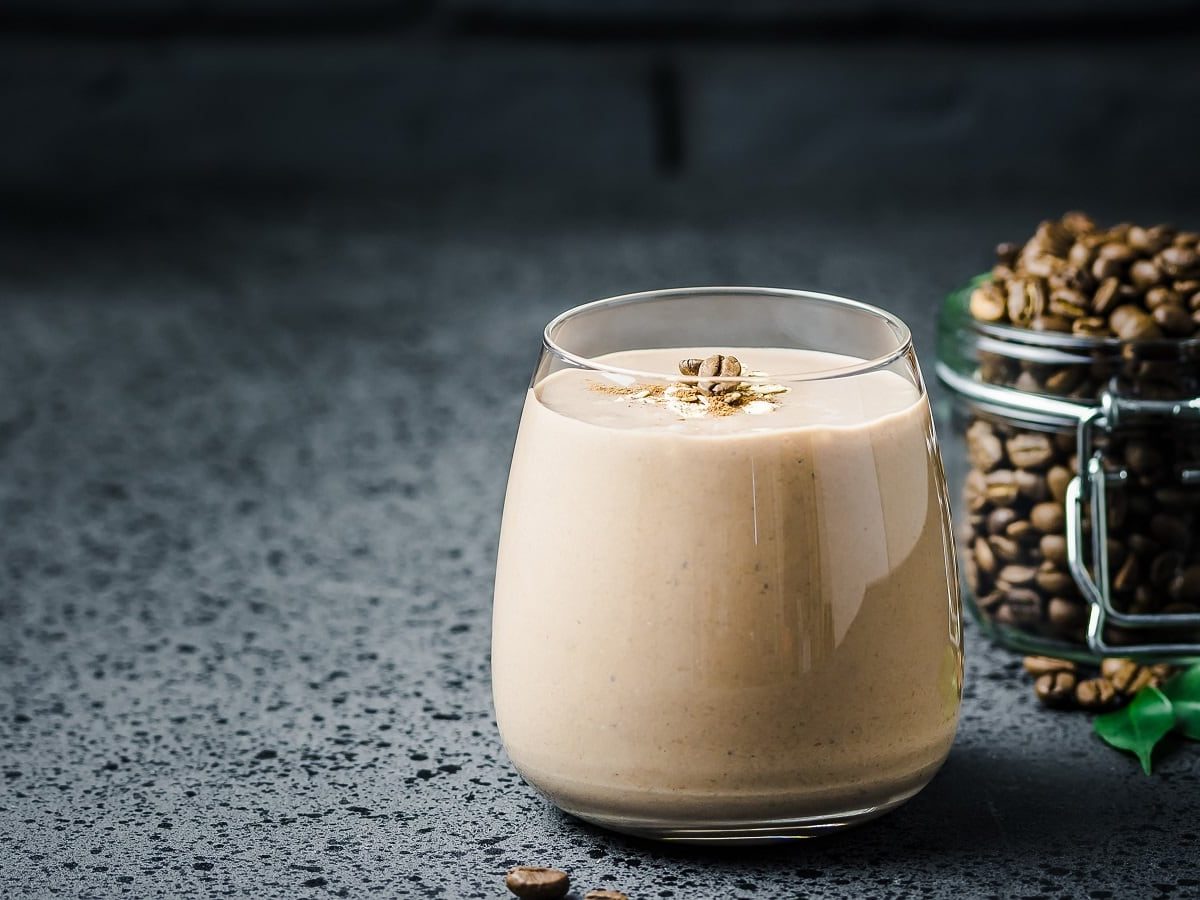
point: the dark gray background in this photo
(271, 284)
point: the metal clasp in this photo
(1091, 485)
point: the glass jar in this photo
(1057, 558)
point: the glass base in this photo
(746, 832)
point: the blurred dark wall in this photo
(930, 98)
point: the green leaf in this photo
(1140, 725)
(1184, 693)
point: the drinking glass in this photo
(727, 628)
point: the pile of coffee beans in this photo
(1061, 684)
(1126, 281)
(1134, 294)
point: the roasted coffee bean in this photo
(537, 882)
(1026, 300)
(1055, 688)
(1164, 568)
(1006, 253)
(1050, 323)
(718, 365)
(690, 366)
(1044, 665)
(1106, 296)
(1048, 518)
(1150, 240)
(1091, 326)
(1068, 303)
(975, 491)
(1001, 487)
(1031, 485)
(987, 303)
(988, 602)
(984, 556)
(999, 519)
(1029, 450)
(1162, 296)
(1067, 616)
(983, 446)
(1057, 479)
(1104, 269)
(1127, 576)
(1185, 587)
(1023, 531)
(1005, 548)
(1174, 320)
(1126, 675)
(1054, 548)
(1145, 274)
(1095, 694)
(605, 894)
(1179, 262)
(1017, 575)
(1054, 582)
(1021, 606)
(1131, 324)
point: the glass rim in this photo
(900, 331)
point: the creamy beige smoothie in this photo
(726, 618)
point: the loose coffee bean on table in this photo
(537, 882)
(604, 894)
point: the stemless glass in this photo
(741, 627)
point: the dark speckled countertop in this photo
(252, 458)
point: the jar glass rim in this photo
(901, 335)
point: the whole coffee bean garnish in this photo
(1044, 665)
(604, 894)
(1055, 688)
(690, 366)
(1095, 694)
(718, 365)
(537, 882)
(1048, 518)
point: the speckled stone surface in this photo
(252, 460)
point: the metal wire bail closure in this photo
(1091, 486)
